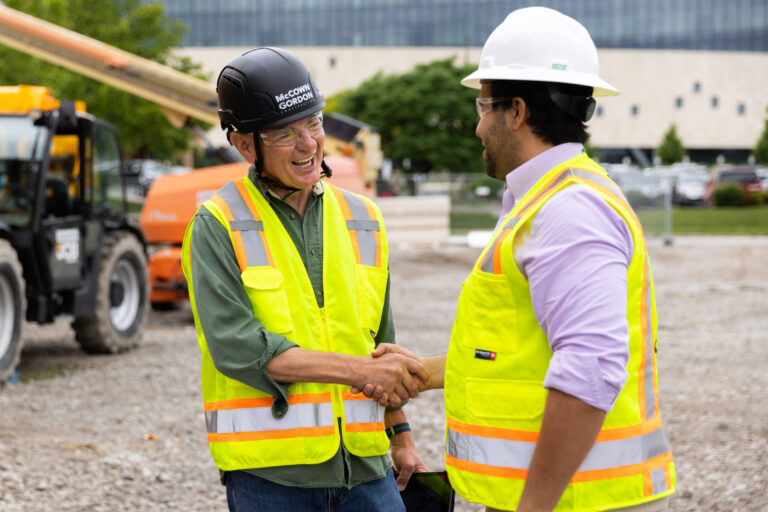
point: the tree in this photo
(671, 149)
(761, 148)
(131, 25)
(425, 116)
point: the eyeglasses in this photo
(290, 135)
(485, 105)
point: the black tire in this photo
(12, 307)
(118, 319)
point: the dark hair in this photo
(547, 120)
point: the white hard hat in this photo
(538, 44)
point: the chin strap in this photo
(272, 182)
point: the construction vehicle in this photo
(67, 243)
(181, 97)
(345, 136)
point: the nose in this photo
(306, 140)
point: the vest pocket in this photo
(371, 287)
(265, 288)
(505, 399)
(486, 314)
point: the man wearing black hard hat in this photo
(289, 285)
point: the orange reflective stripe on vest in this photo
(505, 452)
(363, 227)
(361, 413)
(245, 223)
(249, 419)
(491, 263)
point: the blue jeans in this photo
(249, 493)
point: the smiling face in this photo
(298, 165)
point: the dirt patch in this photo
(126, 432)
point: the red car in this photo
(745, 177)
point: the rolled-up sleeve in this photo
(575, 256)
(239, 345)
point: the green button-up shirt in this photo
(241, 347)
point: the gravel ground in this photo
(126, 432)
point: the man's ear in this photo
(517, 114)
(245, 145)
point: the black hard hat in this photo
(264, 88)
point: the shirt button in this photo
(319, 293)
(312, 252)
(279, 413)
(293, 216)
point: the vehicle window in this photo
(22, 145)
(107, 180)
(740, 177)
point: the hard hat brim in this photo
(601, 87)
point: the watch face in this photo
(428, 492)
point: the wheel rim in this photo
(7, 314)
(124, 314)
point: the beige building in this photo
(717, 99)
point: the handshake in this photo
(391, 375)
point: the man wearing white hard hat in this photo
(551, 383)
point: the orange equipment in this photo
(173, 200)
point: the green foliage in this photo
(591, 150)
(424, 115)
(730, 194)
(761, 148)
(131, 25)
(671, 149)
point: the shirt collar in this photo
(521, 179)
(317, 188)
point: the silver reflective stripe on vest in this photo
(487, 265)
(659, 480)
(605, 182)
(363, 411)
(258, 419)
(365, 226)
(249, 228)
(505, 453)
(650, 396)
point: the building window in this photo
(715, 102)
(634, 110)
(599, 112)
(696, 87)
(741, 109)
(332, 62)
(679, 102)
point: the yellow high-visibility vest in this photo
(242, 432)
(498, 358)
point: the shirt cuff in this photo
(276, 345)
(579, 375)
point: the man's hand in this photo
(405, 458)
(377, 392)
(396, 376)
(435, 366)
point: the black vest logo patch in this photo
(485, 354)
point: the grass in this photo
(745, 220)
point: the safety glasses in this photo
(290, 135)
(485, 105)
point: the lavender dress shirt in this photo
(575, 252)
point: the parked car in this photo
(744, 176)
(689, 188)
